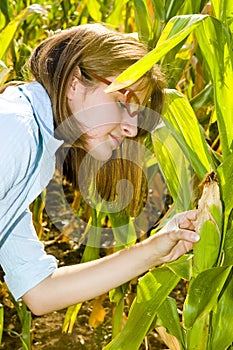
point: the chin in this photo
(102, 156)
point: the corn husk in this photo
(208, 226)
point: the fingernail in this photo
(195, 237)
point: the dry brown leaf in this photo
(168, 339)
(98, 312)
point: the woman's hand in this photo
(176, 238)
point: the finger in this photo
(186, 224)
(188, 220)
(181, 248)
(185, 235)
(191, 215)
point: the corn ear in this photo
(208, 226)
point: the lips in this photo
(117, 140)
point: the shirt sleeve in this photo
(24, 259)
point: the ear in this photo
(74, 84)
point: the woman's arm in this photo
(73, 284)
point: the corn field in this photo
(192, 150)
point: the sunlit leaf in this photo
(172, 7)
(143, 21)
(94, 10)
(26, 330)
(169, 317)
(225, 172)
(222, 316)
(198, 335)
(115, 16)
(228, 247)
(180, 27)
(223, 10)
(145, 311)
(176, 168)
(182, 267)
(70, 318)
(219, 58)
(182, 122)
(203, 294)
(7, 34)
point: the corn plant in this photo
(195, 52)
(207, 315)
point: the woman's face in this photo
(102, 116)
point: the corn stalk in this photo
(207, 313)
(179, 40)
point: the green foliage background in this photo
(192, 42)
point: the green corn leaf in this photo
(176, 168)
(191, 6)
(142, 313)
(117, 296)
(94, 10)
(7, 34)
(225, 174)
(4, 9)
(176, 30)
(203, 294)
(203, 98)
(26, 331)
(143, 21)
(228, 248)
(182, 267)
(123, 229)
(198, 335)
(180, 118)
(222, 315)
(169, 317)
(117, 317)
(210, 34)
(115, 17)
(207, 249)
(223, 10)
(147, 287)
(70, 318)
(93, 230)
(158, 20)
(172, 7)
(159, 10)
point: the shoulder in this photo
(19, 136)
(18, 129)
(15, 113)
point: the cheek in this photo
(100, 132)
(101, 116)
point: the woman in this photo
(66, 107)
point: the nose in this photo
(129, 127)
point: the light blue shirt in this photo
(27, 164)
